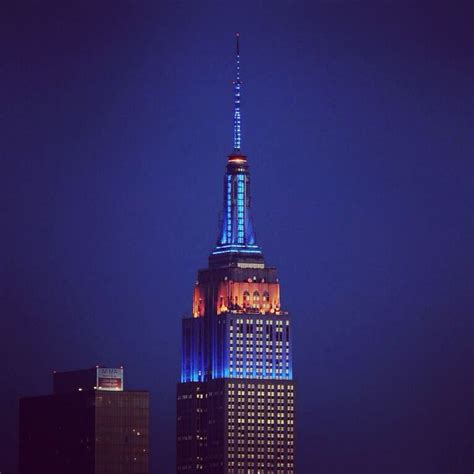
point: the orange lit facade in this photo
(248, 296)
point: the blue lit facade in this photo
(192, 360)
(236, 343)
(243, 346)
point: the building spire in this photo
(237, 84)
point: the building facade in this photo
(236, 397)
(89, 425)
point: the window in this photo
(246, 296)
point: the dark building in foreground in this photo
(235, 401)
(89, 425)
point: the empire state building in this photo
(235, 401)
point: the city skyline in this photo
(115, 124)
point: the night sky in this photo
(116, 120)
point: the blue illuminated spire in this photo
(236, 234)
(237, 84)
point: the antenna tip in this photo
(237, 34)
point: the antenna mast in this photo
(237, 84)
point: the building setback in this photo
(89, 425)
(235, 401)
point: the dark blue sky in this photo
(357, 120)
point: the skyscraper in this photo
(89, 425)
(235, 401)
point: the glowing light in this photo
(229, 246)
(237, 83)
(257, 252)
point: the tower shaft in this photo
(235, 401)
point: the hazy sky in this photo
(116, 121)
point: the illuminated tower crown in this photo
(236, 240)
